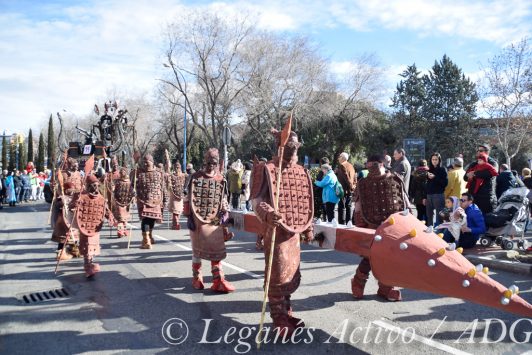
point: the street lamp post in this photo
(185, 138)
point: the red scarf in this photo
(478, 182)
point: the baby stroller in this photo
(508, 220)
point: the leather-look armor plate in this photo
(122, 193)
(296, 201)
(177, 184)
(149, 187)
(206, 198)
(380, 196)
(90, 213)
(257, 179)
(75, 179)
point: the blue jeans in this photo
(435, 203)
(467, 240)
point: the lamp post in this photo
(185, 139)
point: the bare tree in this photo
(507, 96)
(205, 69)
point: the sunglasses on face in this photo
(481, 150)
(463, 200)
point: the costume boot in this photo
(90, 267)
(75, 251)
(197, 277)
(146, 242)
(175, 222)
(63, 255)
(296, 322)
(151, 236)
(358, 283)
(389, 293)
(279, 313)
(219, 283)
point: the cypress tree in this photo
(30, 146)
(21, 156)
(51, 144)
(12, 156)
(5, 148)
(40, 154)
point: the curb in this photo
(520, 268)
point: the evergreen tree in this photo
(407, 102)
(21, 156)
(51, 144)
(30, 146)
(5, 148)
(449, 107)
(12, 155)
(40, 154)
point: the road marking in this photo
(229, 265)
(419, 338)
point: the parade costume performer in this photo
(176, 182)
(206, 222)
(90, 209)
(291, 221)
(150, 186)
(62, 223)
(122, 196)
(73, 176)
(376, 197)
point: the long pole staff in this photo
(55, 173)
(285, 134)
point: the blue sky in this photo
(57, 55)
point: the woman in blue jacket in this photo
(328, 194)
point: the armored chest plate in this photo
(206, 198)
(149, 187)
(90, 214)
(296, 203)
(380, 197)
(122, 194)
(177, 183)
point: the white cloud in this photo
(56, 56)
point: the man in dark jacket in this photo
(18, 186)
(347, 177)
(505, 180)
(485, 198)
(469, 233)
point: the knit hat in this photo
(458, 161)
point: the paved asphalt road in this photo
(133, 304)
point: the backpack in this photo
(339, 190)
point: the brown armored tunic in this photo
(206, 203)
(176, 186)
(150, 187)
(89, 220)
(296, 207)
(63, 218)
(121, 200)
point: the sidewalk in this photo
(497, 258)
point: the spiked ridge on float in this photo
(425, 260)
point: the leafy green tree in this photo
(40, 154)
(30, 146)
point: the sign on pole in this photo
(226, 136)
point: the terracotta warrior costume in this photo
(376, 197)
(90, 209)
(69, 191)
(293, 221)
(176, 184)
(61, 231)
(122, 196)
(208, 214)
(150, 185)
